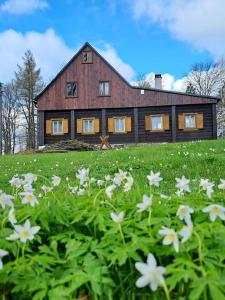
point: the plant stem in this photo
(166, 290)
(121, 233)
(96, 196)
(149, 220)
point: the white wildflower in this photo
(221, 186)
(46, 189)
(154, 179)
(118, 218)
(12, 216)
(16, 182)
(185, 233)
(184, 213)
(56, 180)
(24, 233)
(145, 204)
(119, 177)
(29, 178)
(151, 273)
(128, 185)
(29, 198)
(170, 237)
(109, 190)
(83, 175)
(2, 254)
(107, 178)
(215, 210)
(81, 192)
(6, 200)
(183, 184)
(100, 182)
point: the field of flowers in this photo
(137, 223)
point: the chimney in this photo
(158, 81)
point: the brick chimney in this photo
(158, 81)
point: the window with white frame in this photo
(119, 124)
(157, 122)
(190, 121)
(88, 125)
(104, 88)
(57, 127)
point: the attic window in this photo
(71, 89)
(87, 57)
(104, 88)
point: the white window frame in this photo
(122, 125)
(103, 91)
(57, 126)
(154, 128)
(194, 124)
(89, 121)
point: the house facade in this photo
(88, 98)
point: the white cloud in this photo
(169, 82)
(21, 7)
(50, 52)
(198, 22)
(110, 54)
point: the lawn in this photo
(92, 231)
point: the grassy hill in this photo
(81, 250)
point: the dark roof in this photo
(134, 87)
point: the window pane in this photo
(88, 126)
(101, 88)
(87, 57)
(57, 127)
(71, 89)
(104, 88)
(157, 123)
(119, 125)
(190, 121)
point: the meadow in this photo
(137, 223)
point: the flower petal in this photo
(142, 281)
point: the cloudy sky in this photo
(135, 36)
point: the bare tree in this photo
(221, 113)
(206, 78)
(144, 81)
(10, 115)
(29, 83)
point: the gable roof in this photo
(71, 61)
(118, 74)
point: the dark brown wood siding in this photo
(89, 138)
(201, 134)
(122, 94)
(153, 137)
(143, 135)
(50, 139)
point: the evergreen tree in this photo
(29, 83)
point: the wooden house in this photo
(88, 98)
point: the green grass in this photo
(80, 251)
(169, 159)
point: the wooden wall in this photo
(143, 136)
(122, 94)
(201, 134)
(49, 139)
(153, 137)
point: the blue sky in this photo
(146, 35)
